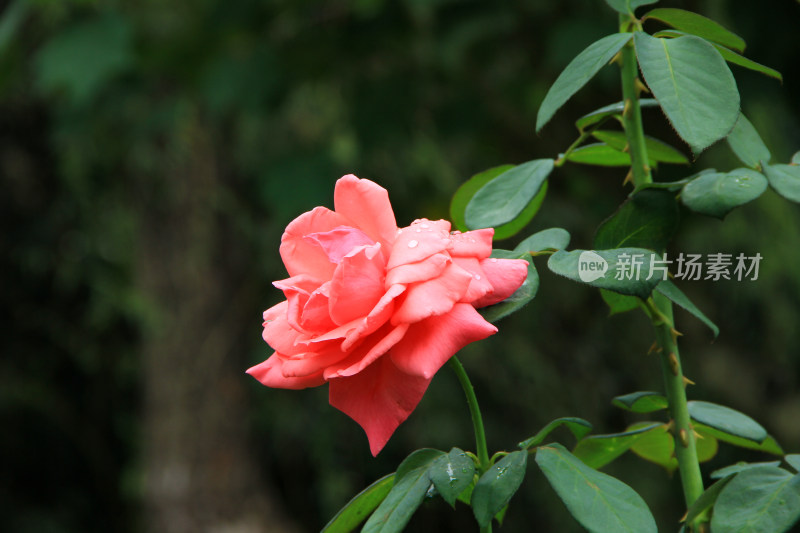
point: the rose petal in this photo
(269, 374)
(316, 317)
(366, 204)
(505, 275)
(312, 363)
(419, 241)
(479, 285)
(428, 344)
(379, 315)
(379, 399)
(368, 351)
(339, 242)
(428, 268)
(277, 331)
(433, 297)
(477, 244)
(297, 290)
(303, 257)
(357, 284)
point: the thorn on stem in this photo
(626, 110)
(629, 178)
(687, 382)
(641, 87)
(674, 365)
(683, 435)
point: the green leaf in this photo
(674, 294)
(622, 270)
(524, 294)
(717, 193)
(730, 56)
(628, 6)
(396, 509)
(796, 158)
(647, 219)
(579, 71)
(578, 426)
(601, 503)
(658, 447)
(785, 179)
(727, 420)
(599, 154)
(738, 467)
(793, 459)
(746, 143)
(736, 59)
(497, 485)
(697, 25)
(599, 450)
(769, 445)
(451, 474)
(618, 303)
(657, 151)
(466, 494)
(504, 198)
(357, 509)
(706, 500)
(547, 239)
(417, 459)
(693, 85)
(641, 402)
(758, 500)
(501, 514)
(611, 110)
(467, 190)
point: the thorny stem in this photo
(675, 385)
(632, 112)
(660, 306)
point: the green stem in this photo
(477, 421)
(632, 113)
(661, 307)
(675, 385)
(475, 412)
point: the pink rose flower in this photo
(374, 310)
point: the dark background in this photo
(151, 153)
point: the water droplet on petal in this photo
(493, 260)
(424, 226)
(412, 244)
(477, 276)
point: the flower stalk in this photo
(660, 308)
(477, 421)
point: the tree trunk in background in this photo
(200, 475)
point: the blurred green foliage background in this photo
(151, 153)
